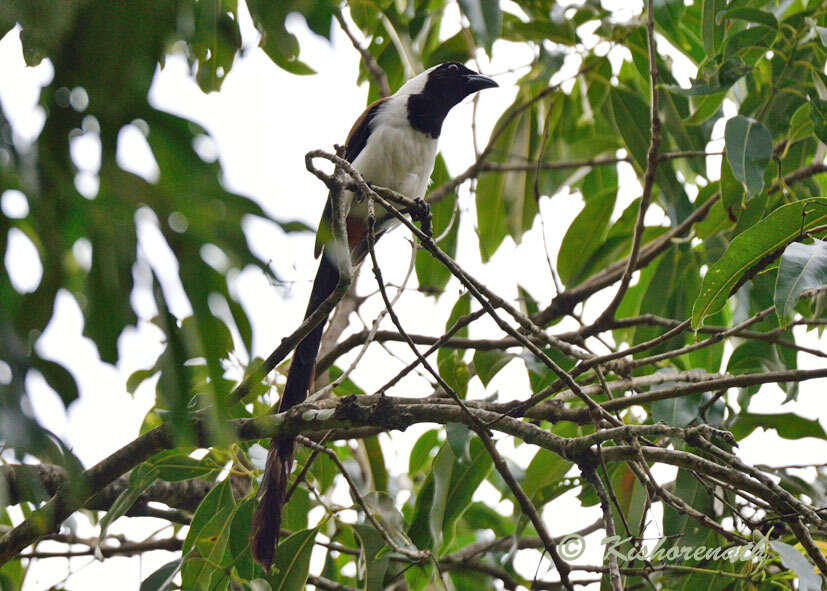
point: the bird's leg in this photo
(421, 212)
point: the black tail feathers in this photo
(266, 522)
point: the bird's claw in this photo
(421, 212)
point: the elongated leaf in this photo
(443, 467)
(545, 468)
(712, 30)
(752, 15)
(585, 235)
(420, 453)
(292, 562)
(376, 460)
(374, 559)
(175, 465)
(764, 238)
(459, 438)
(748, 150)
(808, 579)
(161, 579)
(631, 116)
(485, 18)
(430, 273)
(503, 208)
(209, 534)
(787, 425)
(140, 480)
(465, 479)
(802, 266)
(488, 363)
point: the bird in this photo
(393, 144)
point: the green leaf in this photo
(751, 246)
(801, 126)
(585, 234)
(678, 523)
(802, 266)
(485, 18)
(373, 558)
(465, 479)
(421, 451)
(58, 377)
(176, 465)
(161, 579)
(631, 116)
(292, 562)
(546, 468)
(818, 115)
(442, 469)
(670, 294)
(238, 546)
(139, 480)
(808, 579)
(488, 363)
(208, 534)
(751, 15)
(787, 425)
(505, 200)
(712, 30)
(459, 438)
(432, 275)
(748, 150)
(716, 81)
(450, 365)
(376, 461)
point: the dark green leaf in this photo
(485, 18)
(421, 451)
(751, 246)
(802, 266)
(161, 579)
(787, 425)
(585, 235)
(488, 363)
(292, 562)
(748, 150)
(374, 559)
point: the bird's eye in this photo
(453, 68)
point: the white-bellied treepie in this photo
(393, 145)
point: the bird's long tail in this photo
(264, 528)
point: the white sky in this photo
(262, 122)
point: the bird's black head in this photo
(444, 87)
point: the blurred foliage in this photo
(765, 57)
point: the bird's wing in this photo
(356, 141)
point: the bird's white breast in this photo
(396, 156)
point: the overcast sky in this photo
(262, 122)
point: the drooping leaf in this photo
(585, 235)
(292, 562)
(432, 275)
(808, 579)
(751, 246)
(374, 559)
(787, 425)
(485, 18)
(802, 266)
(162, 579)
(748, 150)
(140, 480)
(488, 363)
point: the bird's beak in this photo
(477, 82)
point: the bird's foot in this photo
(421, 212)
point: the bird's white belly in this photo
(396, 158)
